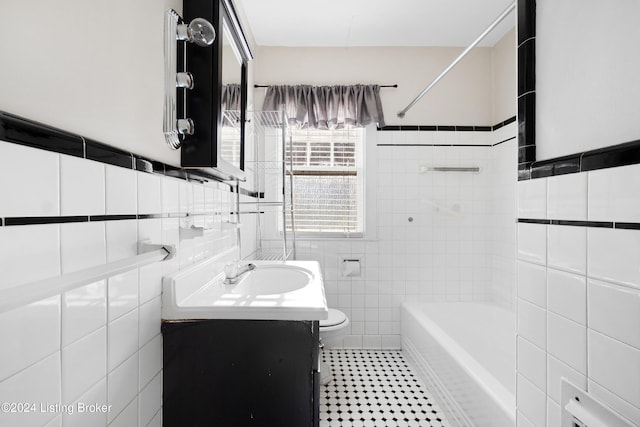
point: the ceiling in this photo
(375, 22)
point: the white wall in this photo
(463, 97)
(587, 86)
(504, 78)
(90, 67)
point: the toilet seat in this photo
(336, 320)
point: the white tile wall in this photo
(532, 198)
(592, 308)
(101, 342)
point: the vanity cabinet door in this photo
(240, 373)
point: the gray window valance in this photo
(327, 107)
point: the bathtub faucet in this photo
(234, 271)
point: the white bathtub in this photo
(465, 352)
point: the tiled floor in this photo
(375, 389)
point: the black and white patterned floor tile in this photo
(375, 389)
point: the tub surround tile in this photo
(532, 363)
(556, 370)
(34, 329)
(567, 197)
(83, 365)
(631, 412)
(532, 199)
(532, 402)
(611, 197)
(532, 323)
(82, 245)
(567, 341)
(532, 243)
(122, 386)
(97, 394)
(615, 311)
(567, 248)
(532, 283)
(613, 255)
(567, 295)
(38, 192)
(123, 339)
(616, 366)
(38, 383)
(149, 401)
(554, 414)
(82, 187)
(84, 310)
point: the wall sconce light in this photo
(198, 31)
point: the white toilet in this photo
(331, 331)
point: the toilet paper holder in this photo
(350, 267)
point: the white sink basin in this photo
(274, 290)
(272, 279)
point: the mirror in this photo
(218, 100)
(230, 146)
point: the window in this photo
(327, 180)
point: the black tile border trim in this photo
(447, 128)
(447, 145)
(590, 224)
(625, 154)
(29, 133)
(41, 220)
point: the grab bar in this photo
(22, 295)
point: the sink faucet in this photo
(233, 272)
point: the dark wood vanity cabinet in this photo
(240, 373)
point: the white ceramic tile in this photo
(123, 339)
(84, 310)
(150, 400)
(567, 341)
(554, 414)
(150, 360)
(615, 366)
(615, 311)
(531, 402)
(186, 197)
(532, 198)
(149, 193)
(532, 243)
(532, 283)
(170, 195)
(122, 386)
(28, 194)
(83, 365)
(82, 186)
(611, 198)
(150, 320)
(28, 334)
(120, 191)
(156, 421)
(90, 409)
(22, 247)
(122, 294)
(522, 421)
(82, 245)
(38, 383)
(622, 407)
(56, 422)
(556, 370)
(613, 255)
(128, 417)
(567, 247)
(150, 282)
(198, 198)
(567, 295)
(372, 342)
(122, 239)
(567, 198)
(532, 363)
(532, 323)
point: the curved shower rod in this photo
(499, 19)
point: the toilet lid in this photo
(336, 317)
